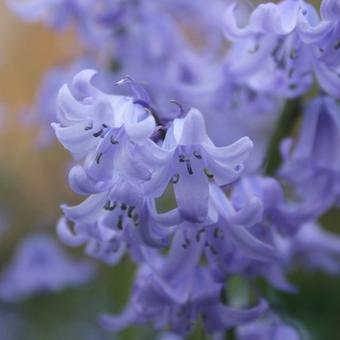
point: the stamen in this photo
(198, 235)
(98, 133)
(181, 158)
(189, 168)
(104, 126)
(110, 205)
(123, 206)
(218, 233)
(197, 155)
(130, 210)
(186, 243)
(98, 157)
(175, 179)
(113, 140)
(337, 45)
(181, 110)
(208, 174)
(89, 127)
(135, 219)
(120, 222)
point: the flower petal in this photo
(87, 211)
(75, 138)
(222, 317)
(67, 236)
(82, 184)
(190, 130)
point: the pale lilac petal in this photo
(67, 236)
(222, 317)
(190, 130)
(87, 211)
(83, 184)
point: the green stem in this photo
(283, 129)
(230, 334)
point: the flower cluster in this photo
(136, 144)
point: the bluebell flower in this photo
(250, 247)
(173, 292)
(314, 158)
(43, 111)
(190, 160)
(312, 247)
(103, 129)
(40, 266)
(115, 221)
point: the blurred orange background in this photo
(32, 182)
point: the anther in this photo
(104, 126)
(197, 155)
(98, 133)
(181, 110)
(189, 168)
(218, 233)
(123, 206)
(130, 210)
(110, 205)
(337, 45)
(120, 222)
(186, 243)
(113, 140)
(98, 157)
(208, 174)
(89, 127)
(181, 158)
(175, 179)
(198, 235)
(135, 219)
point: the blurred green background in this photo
(33, 184)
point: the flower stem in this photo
(285, 125)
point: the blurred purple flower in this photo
(40, 266)
(312, 163)
(313, 247)
(270, 328)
